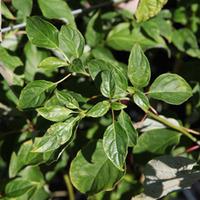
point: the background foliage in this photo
(100, 105)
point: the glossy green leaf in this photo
(149, 8)
(18, 187)
(108, 84)
(126, 123)
(139, 71)
(55, 113)
(117, 106)
(57, 9)
(170, 88)
(57, 135)
(89, 170)
(166, 174)
(95, 66)
(141, 100)
(35, 94)
(157, 141)
(115, 144)
(52, 63)
(99, 109)
(67, 99)
(42, 33)
(71, 41)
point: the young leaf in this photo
(89, 170)
(115, 144)
(108, 84)
(141, 100)
(57, 135)
(52, 63)
(117, 106)
(57, 9)
(35, 94)
(126, 123)
(67, 99)
(149, 8)
(42, 33)
(55, 113)
(99, 109)
(171, 89)
(71, 41)
(139, 71)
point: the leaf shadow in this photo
(88, 152)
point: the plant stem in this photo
(169, 124)
(69, 187)
(60, 81)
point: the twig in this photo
(60, 81)
(69, 187)
(74, 12)
(169, 124)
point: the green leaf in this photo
(149, 8)
(99, 109)
(52, 63)
(57, 135)
(170, 88)
(93, 34)
(89, 170)
(24, 8)
(139, 71)
(157, 141)
(9, 61)
(34, 56)
(117, 106)
(123, 37)
(18, 187)
(115, 144)
(6, 12)
(95, 66)
(185, 40)
(77, 66)
(71, 42)
(35, 94)
(166, 174)
(55, 113)
(42, 33)
(141, 100)
(108, 84)
(57, 9)
(126, 123)
(29, 184)
(67, 99)
(8, 64)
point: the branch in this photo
(74, 12)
